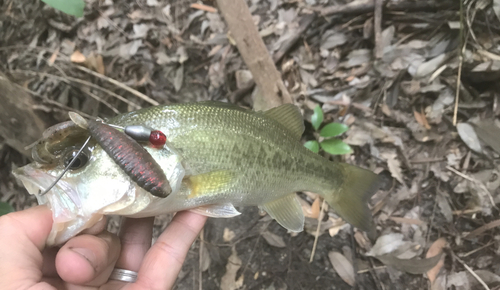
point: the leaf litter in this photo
(441, 181)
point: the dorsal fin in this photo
(290, 117)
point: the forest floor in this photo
(390, 74)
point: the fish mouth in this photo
(62, 199)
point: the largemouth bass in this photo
(218, 156)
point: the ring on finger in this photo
(123, 275)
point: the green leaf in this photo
(317, 117)
(5, 208)
(71, 7)
(335, 147)
(333, 129)
(312, 145)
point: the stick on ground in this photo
(254, 52)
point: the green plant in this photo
(330, 144)
(5, 208)
(71, 7)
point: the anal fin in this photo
(217, 210)
(287, 212)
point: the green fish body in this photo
(218, 156)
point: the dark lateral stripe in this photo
(132, 158)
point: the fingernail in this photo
(87, 254)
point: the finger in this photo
(164, 260)
(135, 236)
(49, 254)
(23, 236)
(97, 228)
(88, 259)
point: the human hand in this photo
(89, 259)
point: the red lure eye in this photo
(157, 138)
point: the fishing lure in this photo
(124, 149)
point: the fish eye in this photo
(80, 161)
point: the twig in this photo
(254, 52)
(120, 85)
(76, 80)
(485, 286)
(377, 22)
(368, 6)
(460, 63)
(99, 99)
(316, 235)
(52, 102)
(203, 7)
(477, 250)
(290, 42)
(477, 182)
(200, 264)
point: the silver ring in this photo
(123, 275)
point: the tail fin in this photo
(350, 200)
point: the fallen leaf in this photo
(343, 267)
(77, 57)
(436, 249)
(394, 165)
(412, 266)
(179, 78)
(421, 119)
(228, 235)
(489, 133)
(469, 136)
(273, 239)
(228, 281)
(315, 208)
(53, 57)
(386, 244)
(430, 66)
(204, 259)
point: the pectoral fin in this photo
(287, 212)
(217, 210)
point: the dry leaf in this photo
(469, 136)
(436, 249)
(228, 235)
(343, 267)
(315, 208)
(228, 281)
(204, 259)
(422, 120)
(179, 78)
(77, 57)
(412, 266)
(95, 62)
(394, 165)
(53, 57)
(273, 239)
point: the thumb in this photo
(22, 238)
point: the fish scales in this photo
(217, 156)
(266, 160)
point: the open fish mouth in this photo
(62, 199)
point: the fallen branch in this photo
(360, 7)
(254, 52)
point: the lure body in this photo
(135, 161)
